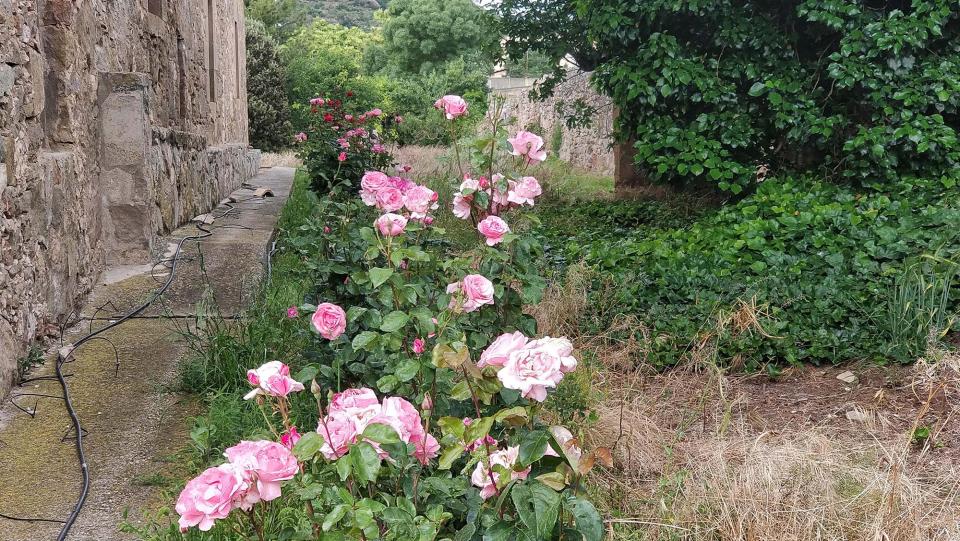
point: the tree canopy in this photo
(267, 108)
(420, 35)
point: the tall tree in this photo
(267, 109)
(421, 35)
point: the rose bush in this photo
(474, 461)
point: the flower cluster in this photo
(396, 194)
(252, 474)
(353, 410)
(498, 195)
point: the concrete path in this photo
(132, 422)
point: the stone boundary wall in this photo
(119, 121)
(588, 148)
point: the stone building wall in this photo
(589, 147)
(119, 120)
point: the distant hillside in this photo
(345, 12)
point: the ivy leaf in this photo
(394, 321)
(379, 275)
(757, 89)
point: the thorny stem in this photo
(486, 442)
(258, 527)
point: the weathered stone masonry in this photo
(119, 120)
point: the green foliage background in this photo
(862, 91)
(267, 109)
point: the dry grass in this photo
(427, 162)
(689, 464)
(280, 159)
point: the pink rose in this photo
(427, 403)
(420, 200)
(529, 145)
(342, 157)
(525, 191)
(452, 106)
(292, 312)
(301, 137)
(426, 450)
(461, 207)
(272, 379)
(419, 346)
(476, 290)
(428, 220)
(403, 184)
(405, 419)
(290, 438)
(316, 101)
(266, 463)
(539, 365)
(390, 224)
(400, 414)
(338, 434)
(562, 348)
(375, 112)
(359, 404)
(329, 320)
(493, 228)
(326, 229)
(210, 496)
(497, 353)
(371, 183)
(486, 479)
(390, 199)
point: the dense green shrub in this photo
(822, 262)
(860, 90)
(267, 109)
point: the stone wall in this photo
(119, 120)
(588, 148)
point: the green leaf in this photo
(515, 416)
(538, 507)
(379, 275)
(451, 425)
(381, 433)
(394, 321)
(308, 446)
(334, 517)
(364, 340)
(757, 89)
(533, 446)
(450, 455)
(407, 370)
(365, 462)
(586, 517)
(478, 429)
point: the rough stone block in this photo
(123, 129)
